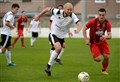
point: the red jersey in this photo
(21, 21)
(97, 29)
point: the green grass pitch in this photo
(31, 62)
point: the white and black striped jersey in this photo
(61, 24)
(8, 17)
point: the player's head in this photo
(36, 18)
(101, 14)
(23, 13)
(15, 7)
(68, 8)
(60, 7)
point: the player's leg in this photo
(3, 43)
(2, 50)
(34, 38)
(60, 54)
(8, 57)
(7, 46)
(105, 51)
(105, 63)
(22, 41)
(22, 38)
(50, 42)
(54, 54)
(95, 52)
(15, 40)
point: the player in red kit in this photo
(20, 26)
(97, 41)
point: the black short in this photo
(6, 41)
(35, 34)
(53, 39)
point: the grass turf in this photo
(31, 62)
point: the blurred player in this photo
(59, 28)
(34, 28)
(8, 21)
(52, 49)
(97, 41)
(20, 27)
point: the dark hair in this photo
(15, 5)
(102, 10)
(22, 11)
(60, 6)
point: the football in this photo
(83, 77)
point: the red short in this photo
(20, 32)
(99, 48)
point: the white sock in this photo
(31, 42)
(0, 51)
(52, 58)
(34, 40)
(8, 56)
(60, 54)
(51, 51)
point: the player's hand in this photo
(76, 31)
(87, 42)
(70, 34)
(13, 27)
(27, 29)
(102, 38)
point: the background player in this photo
(20, 27)
(34, 28)
(97, 41)
(8, 21)
(61, 24)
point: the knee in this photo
(106, 57)
(58, 48)
(97, 59)
(63, 45)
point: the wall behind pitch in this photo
(45, 31)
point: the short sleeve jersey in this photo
(97, 29)
(51, 18)
(21, 22)
(61, 24)
(8, 17)
(34, 25)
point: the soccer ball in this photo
(83, 77)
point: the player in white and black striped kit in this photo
(34, 28)
(8, 25)
(59, 28)
(52, 46)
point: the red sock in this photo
(22, 41)
(15, 41)
(104, 65)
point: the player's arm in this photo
(7, 23)
(49, 24)
(79, 27)
(26, 22)
(85, 36)
(29, 28)
(109, 34)
(44, 11)
(77, 21)
(39, 28)
(70, 34)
